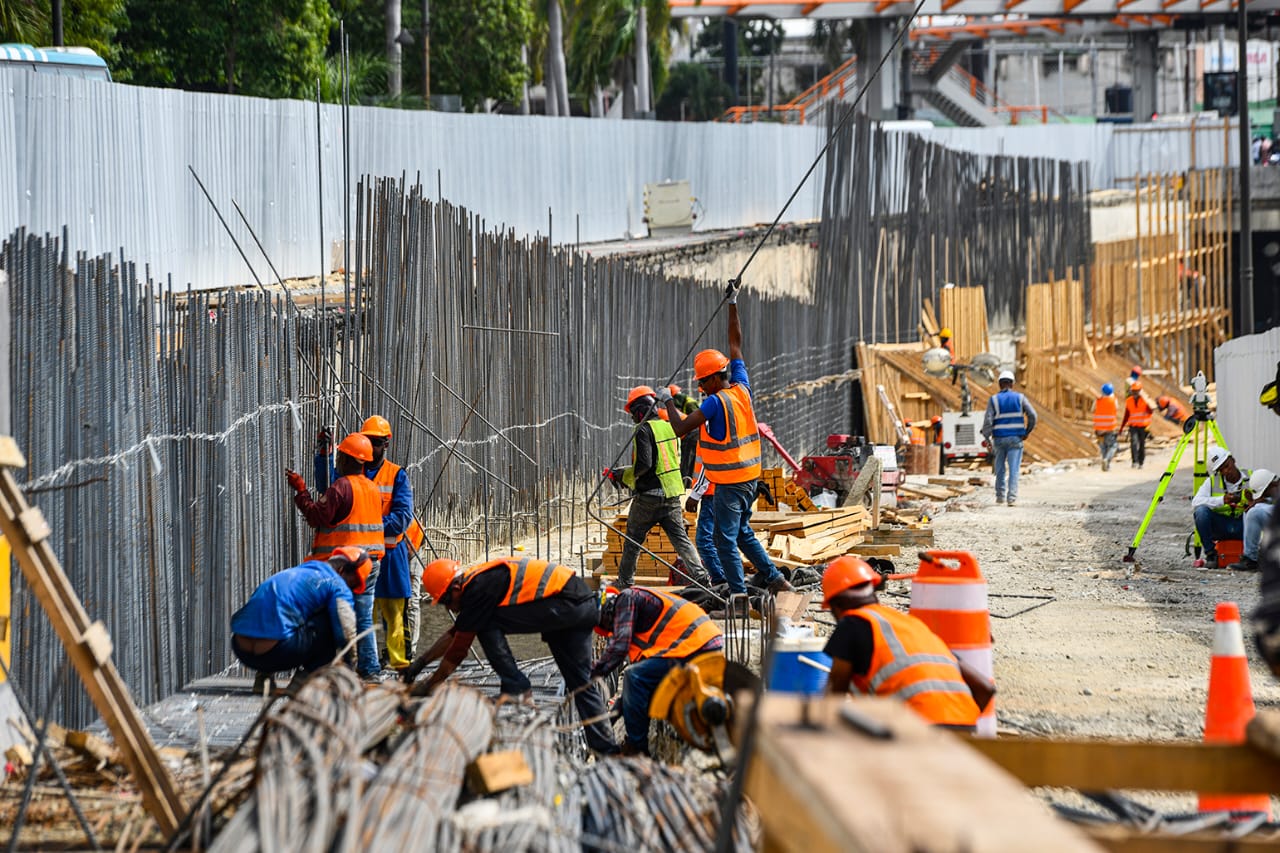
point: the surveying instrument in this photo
(1196, 433)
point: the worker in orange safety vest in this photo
(1137, 416)
(1173, 411)
(885, 652)
(1106, 423)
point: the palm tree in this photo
(22, 20)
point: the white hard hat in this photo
(1006, 374)
(1261, 479)
(1217, 455)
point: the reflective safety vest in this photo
(385, 480)
(1218, 488)
(1008, 421)
(680, 629)
(362, 527)
(910, 662)
(918, 435)
(697, 472)
(1175, 412)
(736, 457)
(1137, 411)
(1106, 414)
(530, 579)
(666, 463)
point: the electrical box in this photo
(1220, 92)
(668, 208)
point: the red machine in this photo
(835, 471)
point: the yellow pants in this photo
(391, 612)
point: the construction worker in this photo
(1106, 419)
(1137, 416)
(654, 477)
(1264, 486)
(935, 424)
(689, 443)
(1009, 420)
(1219, 504)
(944, 341)
(1270, 396)
(729, 445)
(349, 513)
(701, 500)
(1173, 411)
(1266, 618)
(884, 652)
(919, 435)
(1135, 375)
(656, 631)
(302, 617)
(517, 596)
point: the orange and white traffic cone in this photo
(1230, 705)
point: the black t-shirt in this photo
(852, 641)
(481, 597)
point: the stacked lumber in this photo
(816, 537)
(785, 491)
(937, 489)
(964, 311)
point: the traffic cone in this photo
(1230, 705)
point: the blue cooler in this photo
(790, 674)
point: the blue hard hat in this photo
(1108, 389)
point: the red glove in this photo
(295, 480)
(609, 474)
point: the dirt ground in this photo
(1122, 650)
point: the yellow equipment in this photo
(696, 698)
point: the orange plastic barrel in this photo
(952, 601)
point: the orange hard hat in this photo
(1137, 386)
(1137, 370)
(359, 560)
(844, 573)
(936, 419)
(709, 361)
(607, 595)
(357, 446)
(636, 393)
(1162, 401)
(376, 425)
(674, 389)
(437, 576)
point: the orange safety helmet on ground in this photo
(376, 425)
(437, 576)
(357, 446)
(636, 393)
(359, 559)
(709, 361)
(844, 573)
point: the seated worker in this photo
(1265, 486)
(301, 617)
(513, 595)
(656, 631)
(1172, 410)
(1219, 503)
(884, 652)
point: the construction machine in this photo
(697, 699)
(962, 437)
(849, 468)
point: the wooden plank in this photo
(804, 778)
(1100, 765)
(498, 771)
(1122, 840)
(863, 549)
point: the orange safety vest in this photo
(736, 458)
(910, 662)
(530, 579)
(385, 480)
(1105, 414)
(918, 435)
(362, 527)
(1137, 411)
(680, 630)
(1175, 412)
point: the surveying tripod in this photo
(1196, 432)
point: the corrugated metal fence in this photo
(1243, 366)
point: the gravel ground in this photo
(1123, 649)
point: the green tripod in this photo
(1196, 432)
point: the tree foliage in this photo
(88, 23)
(475, 48)
(693, 94)
(23, 20)
(756, 37)
(602, 35)
(268, 48)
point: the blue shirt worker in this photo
(729, 445)
(301, 617)
(1010, 419)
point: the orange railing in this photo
(922, 61)
(797, 110)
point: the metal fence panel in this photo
(1242, 366)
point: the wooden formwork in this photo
(964, 311)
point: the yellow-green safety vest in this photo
(668, 461)
(1218, 488)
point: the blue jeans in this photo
(705, 538)
(1255, 521)
(1107, 444)
(1214, 527)
(367, 646)
(311, 647)
(732, 509)
(638, 683)
(1007, 455)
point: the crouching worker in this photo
(656, 631)
(302, 617)
(517, 596)
(884, 652)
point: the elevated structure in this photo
(890, 9)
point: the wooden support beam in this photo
(1103, 765)
(1120, 840)
(827, 787)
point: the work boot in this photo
(1245, 565)
(1012, 501)
(629, 750)
(263, 681)
(1208, 561)
(781, 585)
(1106, 464)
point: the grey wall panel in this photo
(1243, 365)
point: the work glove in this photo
(295, 480)
(731, 292)
(412, 671)
(691, 505)
(324, 442)
(663, 395)
(610, 475)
